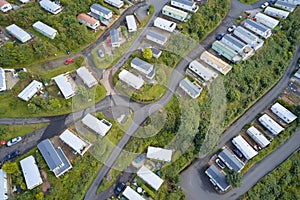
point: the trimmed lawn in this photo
(12, 131)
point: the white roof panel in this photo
(244, 147)
(19, 33)
(159, 154)
(73, 141)
(203, 72)
(215, 62)
(131, 194)
(31, 172)
(131, 23)
(258, 137)
(44, 28)
(150, 178)
(131, 79)
(270, 124)
(101, 127)
(87, 76)
(64, 86)
(2, 80)
(3, 185)
(164, 24)
(266, 20)
(30, 90)
(283, 113)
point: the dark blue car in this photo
(11, 156)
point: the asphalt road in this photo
(195, 185)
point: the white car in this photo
(231, 28)
(14, 141)
(263, 6)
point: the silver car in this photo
(100, 53)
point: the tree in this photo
(10, 167)
(39, 196)
(234, 178)
(32, 108)
(147, 54)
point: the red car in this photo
(68, 61)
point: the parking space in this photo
(11, 80)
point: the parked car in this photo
(271, 2)
(238, 153)
(100, 53)
(264, 5)
(231, 28)
(68, 52)
(68, 61)
(220, 163)
(119, 188)
(1, 31)
(220, 36)
(11, 156)
(14, 141)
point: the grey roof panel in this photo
(155, 51)
(218, 177)
(50, 155)
(231, 160)
(157, 35)
(234, 41)
(257, 25)
(101, 9)
(67, 165)
(114, 35)
(185, 2)
(142, 64)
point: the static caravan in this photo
(258, 137)
(251, 39)
(175, 13)
(101, 11)
(142, 66)
(5, 6)
(114, 38)
(164, 24)
(217, 178)
(266, 20)
(241, 144)
(131, 23)
(115, 3)
(187, 5)
(64, 86)
(51, 6)
(18, 33)
(272, 126)
(131, 79)
(294, 2)
(225, 51)
(201, 72)
(89, 21)
(215, 62)
(87, 77)
(286, 5)
(283, 113)
(44, 29)
(258, 28)
(156, 37)
(274, 12)
(2, 80)
(190, 88)
(30, 90)
(31, 172)
(243, 49)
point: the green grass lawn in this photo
(12, 131)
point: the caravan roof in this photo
(244, 147)
(283, 113)
(150, 178)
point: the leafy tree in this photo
(10, 167)
(234, 178)
(147, 54)
(39, 196)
